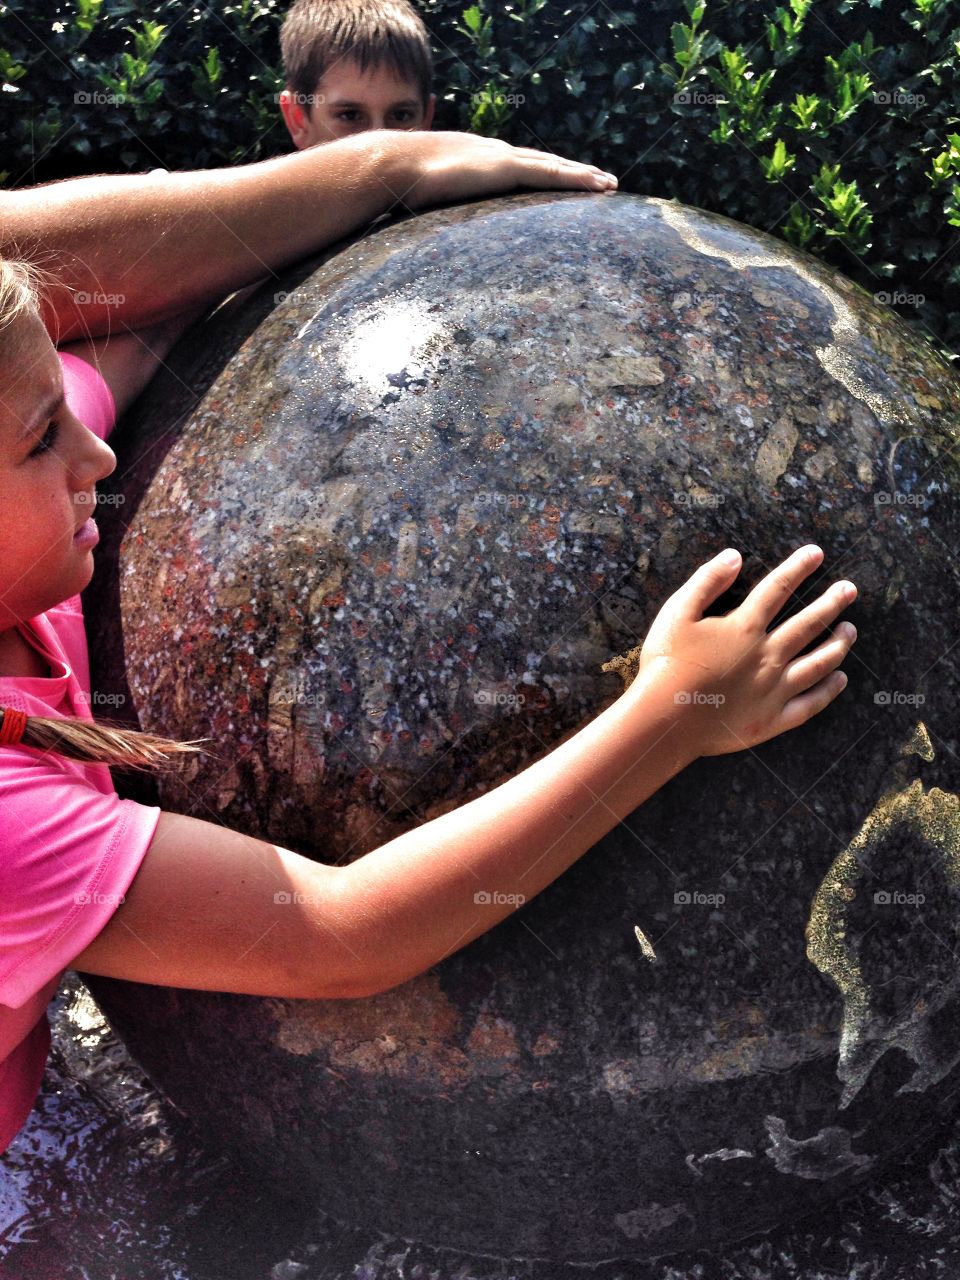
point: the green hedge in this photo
(832, 123)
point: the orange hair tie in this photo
(14, 723)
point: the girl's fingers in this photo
(563, 165)
(570, 172)
(806, 705)
(707, 583)
(797, 632)
(806, 671)
(772, 592)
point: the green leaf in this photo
(213, 67)
(87, 14)
(10, 70)
(825, 179)
(806, 107)
(779, 163)
(799, 227)
(680, 36)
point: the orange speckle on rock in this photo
(493, 1037)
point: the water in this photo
(108, 1182)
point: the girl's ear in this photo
(295, 118)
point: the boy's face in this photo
(348, 101)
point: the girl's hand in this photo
(737, 683)
(457, 166)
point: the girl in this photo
(109, 886)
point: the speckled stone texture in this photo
(382, 527)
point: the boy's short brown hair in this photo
(318, 33)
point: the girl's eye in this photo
(46, 443)
(350, 116)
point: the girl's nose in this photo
(108, 459)
(93, 459)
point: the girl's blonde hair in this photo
(92, 742)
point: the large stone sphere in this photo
(383, 525)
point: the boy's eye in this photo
(350, 115)
(46, 443)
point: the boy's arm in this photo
(145, 247)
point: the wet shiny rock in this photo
(383, 526)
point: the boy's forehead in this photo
(347, 85)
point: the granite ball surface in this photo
(383, 526)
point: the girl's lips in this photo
(88, 535)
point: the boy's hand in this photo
(736, 683)
(455, 166)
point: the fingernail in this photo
(849, 630)
(729, 557)
(846, 590)
(813, 552)
(843, 679)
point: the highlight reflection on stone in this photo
(383, 528)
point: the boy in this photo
(178, 242)
(352, 66)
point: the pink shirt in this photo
(70, 846)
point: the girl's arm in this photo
(139, 248)
(128, 360)
(216, 910)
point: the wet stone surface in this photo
(382, 529)
(108, 1182)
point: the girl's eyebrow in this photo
(47, 411)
